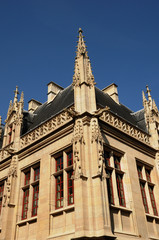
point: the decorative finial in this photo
(80, 30)
(22, 97)
(144, 97)
(148, 92)
(81, 47)
(0, 120)
(16, 94)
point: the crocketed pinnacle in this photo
(81, 47)
(148, 92)
(16, 95)
(144, 98)
(82, 71)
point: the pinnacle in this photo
(81, 47)
(80, 30)
(16, 94)
(148, 92)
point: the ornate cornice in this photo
(125, 127)
(45, 128)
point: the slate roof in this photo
(65, 98)
(137, 119)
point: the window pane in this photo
(144, 199)
(120, 190)
(36, 173)
(107, 158)
(25, 203)
(110, 187)
(59, 191)
(139, 170)
(59, 163)
(148, 175)
(35, 200)
(117, 162)
(153, 203)
(70, 188)
(27, 178)
(69, 158)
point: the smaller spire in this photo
(0, 120)
(149, 94)
(144, 98)
(22, 97)
(81, 46)
(16, 95)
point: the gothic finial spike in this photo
(80, 30)
(0, 120)
(16, 94)
(81, 47)
(22, 97)
(149, 94)
(144, 98)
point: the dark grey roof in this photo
(65, 98)
(103, 99)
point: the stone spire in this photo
(83, 79)
(16, 95)
(144, 98)
(83, 71)
(149, 95)
(81, 47)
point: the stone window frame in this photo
(65, 170)
(145, 179)
(29, 183)
(114, 172)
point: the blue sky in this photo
(38, 40)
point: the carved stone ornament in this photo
(95, 130)
(47, 127)
(76, 76)
(12, 173)
(13, 167)
(78, 132)
(76, 165)
(77, 141)
(125, 127)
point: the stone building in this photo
(81, 165)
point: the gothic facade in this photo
(81, 165)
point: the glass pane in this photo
(61, 193)
(70, 191)
(58, 203)
(58, 195)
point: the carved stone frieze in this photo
(45, 128)
(125, 127)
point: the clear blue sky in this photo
(38, 39)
